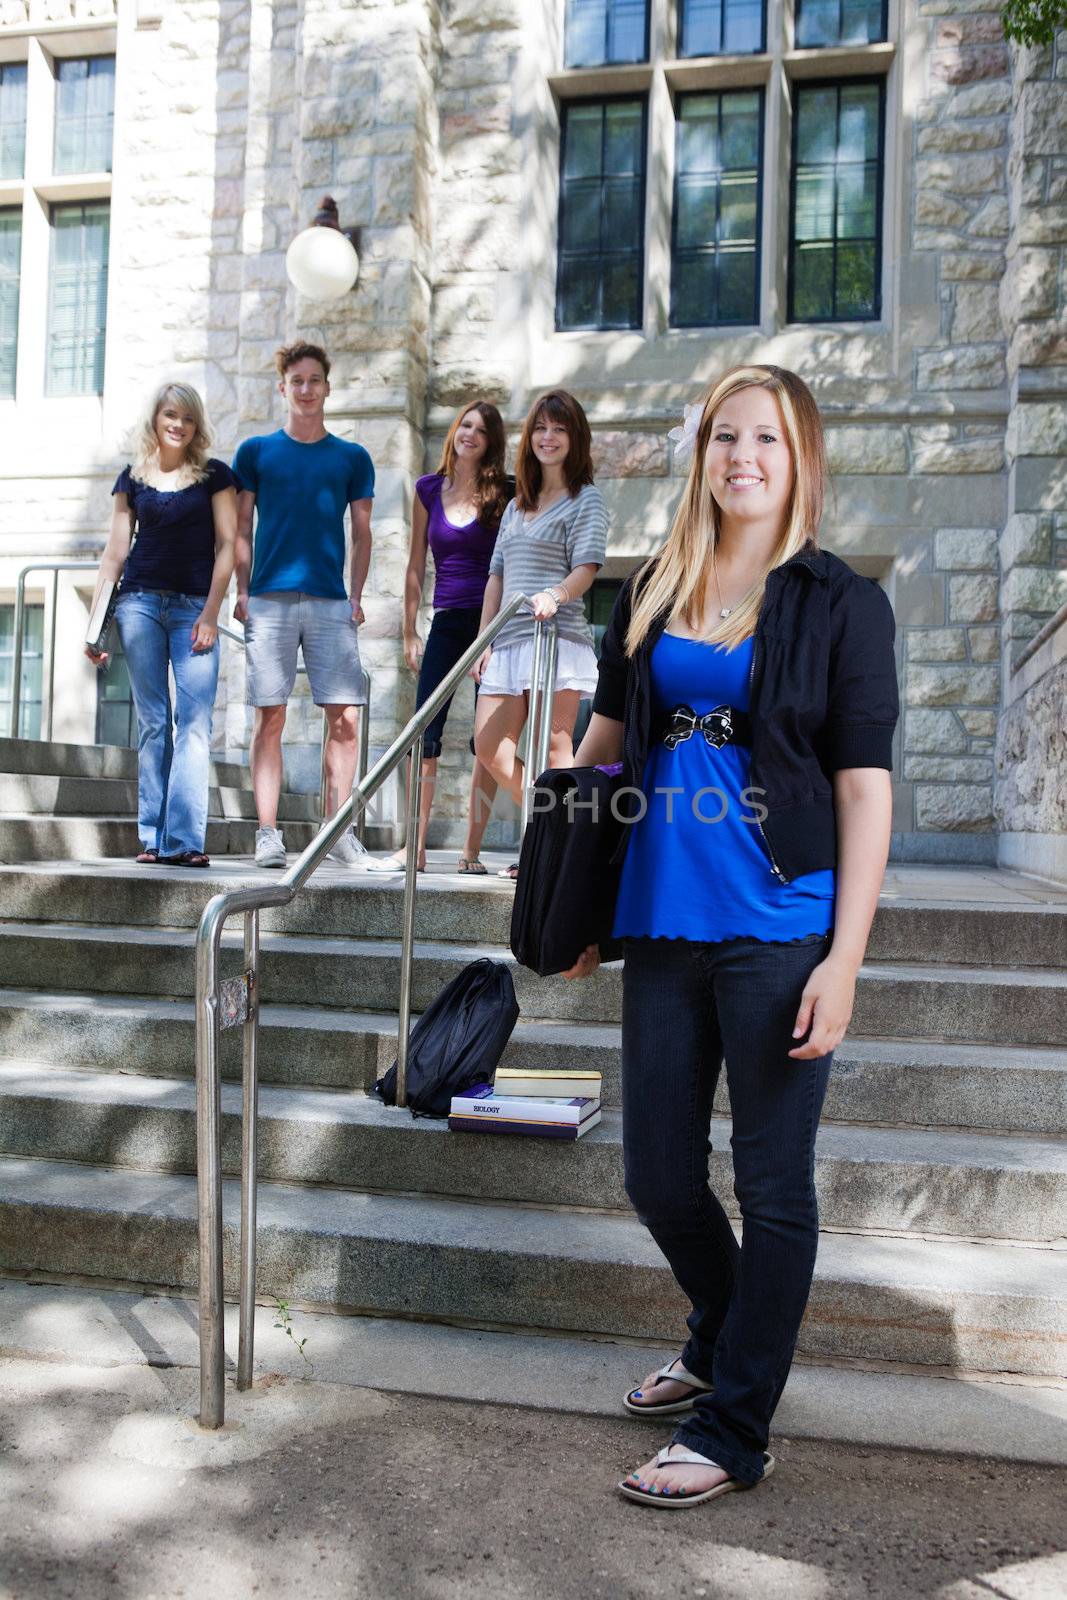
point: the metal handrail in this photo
(55, 568)
(236, 1000)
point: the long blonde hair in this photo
(676, 579)
(146, 459)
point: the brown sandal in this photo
(188, 858)
(147, 858)
(472, 865)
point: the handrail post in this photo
(407, 931)
(249, 1153)
(362, 762)
(16, 662)
(548, 687)
(533, 723)
(209, 1177)
(52, 651)
(323, 785)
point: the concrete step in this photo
(42, 794)
(37, 838)
(996, 1088)
(96, 761)
(988, 1308)
(1021, 932)
(973, 1004)
(899, 1180)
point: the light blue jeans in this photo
(173, 762)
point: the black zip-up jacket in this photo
(823, 697)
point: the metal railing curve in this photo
(235, 1001)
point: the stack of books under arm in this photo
(558, 1104)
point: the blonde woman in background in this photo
(172, 546)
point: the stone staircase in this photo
(74, 800)
(942, 1163)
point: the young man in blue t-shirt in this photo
(298, 483)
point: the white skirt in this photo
(510, 669)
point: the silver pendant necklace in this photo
(724, 611)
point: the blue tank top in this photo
(696, 866)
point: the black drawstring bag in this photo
(458, 1040)
(568, 878)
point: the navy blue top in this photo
(175, 544)
(696, 866)
(302, 493)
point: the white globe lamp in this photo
(322, 262)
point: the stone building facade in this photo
(436, 124)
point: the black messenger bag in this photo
(567, 884)
(458, 1040)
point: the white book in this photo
(482, 1104)
(100, 616)
(513, 1082)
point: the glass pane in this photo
(582, 155)
(701, 27)
(581, 216)
(816, 125)
(740, 130)
(12, 119)
(814, 205)
(813, 296)
(698, 134)
(743, 33)
(85, 98)
(10, 254)
(620, 307)
(737, 286)
(622, 138)
(857, 137)
(694, 291)
(856, 202)
(622, 219)
(855, 280)
(697, 206)
(737, 210)
(579, 281)
(818, 23)
(78, 299)
(113, 723)
(603, 31)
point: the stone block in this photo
(973, 599)
(1040, 589)
(866, 450)
(985, 99)
(1044, 225)
(969, 30)
(919, 599)
(1038, 428)
(991, 220)
(979, 724)
(954, 807)
(948, 769)
(966, 549)
(1038, 344)
(950, 685)
(1029, 287)
(984, 643)
(951, 137)
(960, 266)
(936, 644)
(960, 456)
(629, 455)
(976, 313)
(934, 209)
(934, 732)
(1044, 117)
(976, 366)
(1026, 540)
(969, 63)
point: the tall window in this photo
(78, 299)
(32, 670)
(12, 119)
(715, 259)
(721, 27)
(835, 234)
(828, 22)
(116, 719)
(601, 31)
(601, 215)
(10, 255)
(85, 107)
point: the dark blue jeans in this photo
(686, 1007)
(451, 633)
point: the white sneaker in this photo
(270, 848)
(384, 864)
(349, 851)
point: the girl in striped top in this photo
(551, 545)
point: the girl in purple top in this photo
(456, 515)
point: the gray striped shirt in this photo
(537, 553)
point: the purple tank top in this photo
(460, 555)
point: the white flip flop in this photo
(668, 1408)
(681, 1499)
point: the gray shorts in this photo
(279, 623)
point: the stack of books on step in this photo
(546, 1105)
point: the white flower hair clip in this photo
(684, 438)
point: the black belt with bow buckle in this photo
(723, 725)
